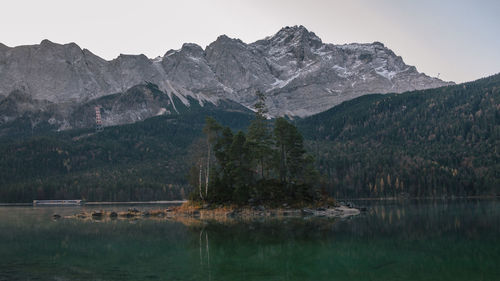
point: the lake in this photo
(393, 240)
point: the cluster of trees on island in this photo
(267, 164)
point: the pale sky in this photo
(457, 38)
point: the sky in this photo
(457, 39)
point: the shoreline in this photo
(176, 202)
(200, 214)
(136, 203)
(395, 198)
(96, 203)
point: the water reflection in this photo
(205, 253)
(439, 240)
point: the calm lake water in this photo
(407, 240)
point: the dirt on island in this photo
(193, 213)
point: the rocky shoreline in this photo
(217, 213)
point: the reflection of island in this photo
(189, 214)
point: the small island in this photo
(267, 165)
(263, 172)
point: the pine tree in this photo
(241, 173)
(222, 151)
(259, 136)
(291, 150)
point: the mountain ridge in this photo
(299, 74)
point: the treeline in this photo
(437, 142)
(265, 165)
(135, 162)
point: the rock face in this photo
(299, 74)
(311, 77)
(137, 103)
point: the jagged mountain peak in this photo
(377, 57)
(49, 45)
(47, 42)
(224, 40)
(187, 48)
(192, 48)
(224, 37)
(294, 30)
(292, 37)
(297, 32)
(89, 53)
(295, 45)
(299, 73)
(188, 52)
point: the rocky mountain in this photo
(299, 74)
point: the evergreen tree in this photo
(241, 172)
(259, 136)
(291, 150)
(222, 151)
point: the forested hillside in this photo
(142, 161)
(437, 142)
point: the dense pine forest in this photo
(141, 161)
(438, 142)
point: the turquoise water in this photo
(409, 240)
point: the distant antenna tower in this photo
(98, 120)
